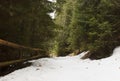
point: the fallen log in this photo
(14, 45)
(35, 54)
(2, 64)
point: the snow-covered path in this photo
(70, 68)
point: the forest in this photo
(27, 30)
(87, 25)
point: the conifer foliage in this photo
(26, 22)
(89, 25)
(82, 25)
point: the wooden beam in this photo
(2, 64)
(17, 46)
(14, 45)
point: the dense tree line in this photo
(88, 25)
(80, 25)
(26, 22)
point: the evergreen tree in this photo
(91, 25)
(63, 19)
(27, 22)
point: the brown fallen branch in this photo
(20, 47)
(14, 45)
(2, 64)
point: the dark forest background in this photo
(79, 25)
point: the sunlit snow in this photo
(52, 0)
(52, 15)
(69, 68)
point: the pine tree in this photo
(91, 25)
(63, 19)
(26, 22)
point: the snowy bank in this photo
(69, 68)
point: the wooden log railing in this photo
(2, 64)
(20, 48)
(13, 45)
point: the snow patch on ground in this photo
(52, 0)
(69, 68)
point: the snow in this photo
(52, 0)
(69, 68)
(52, 15)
